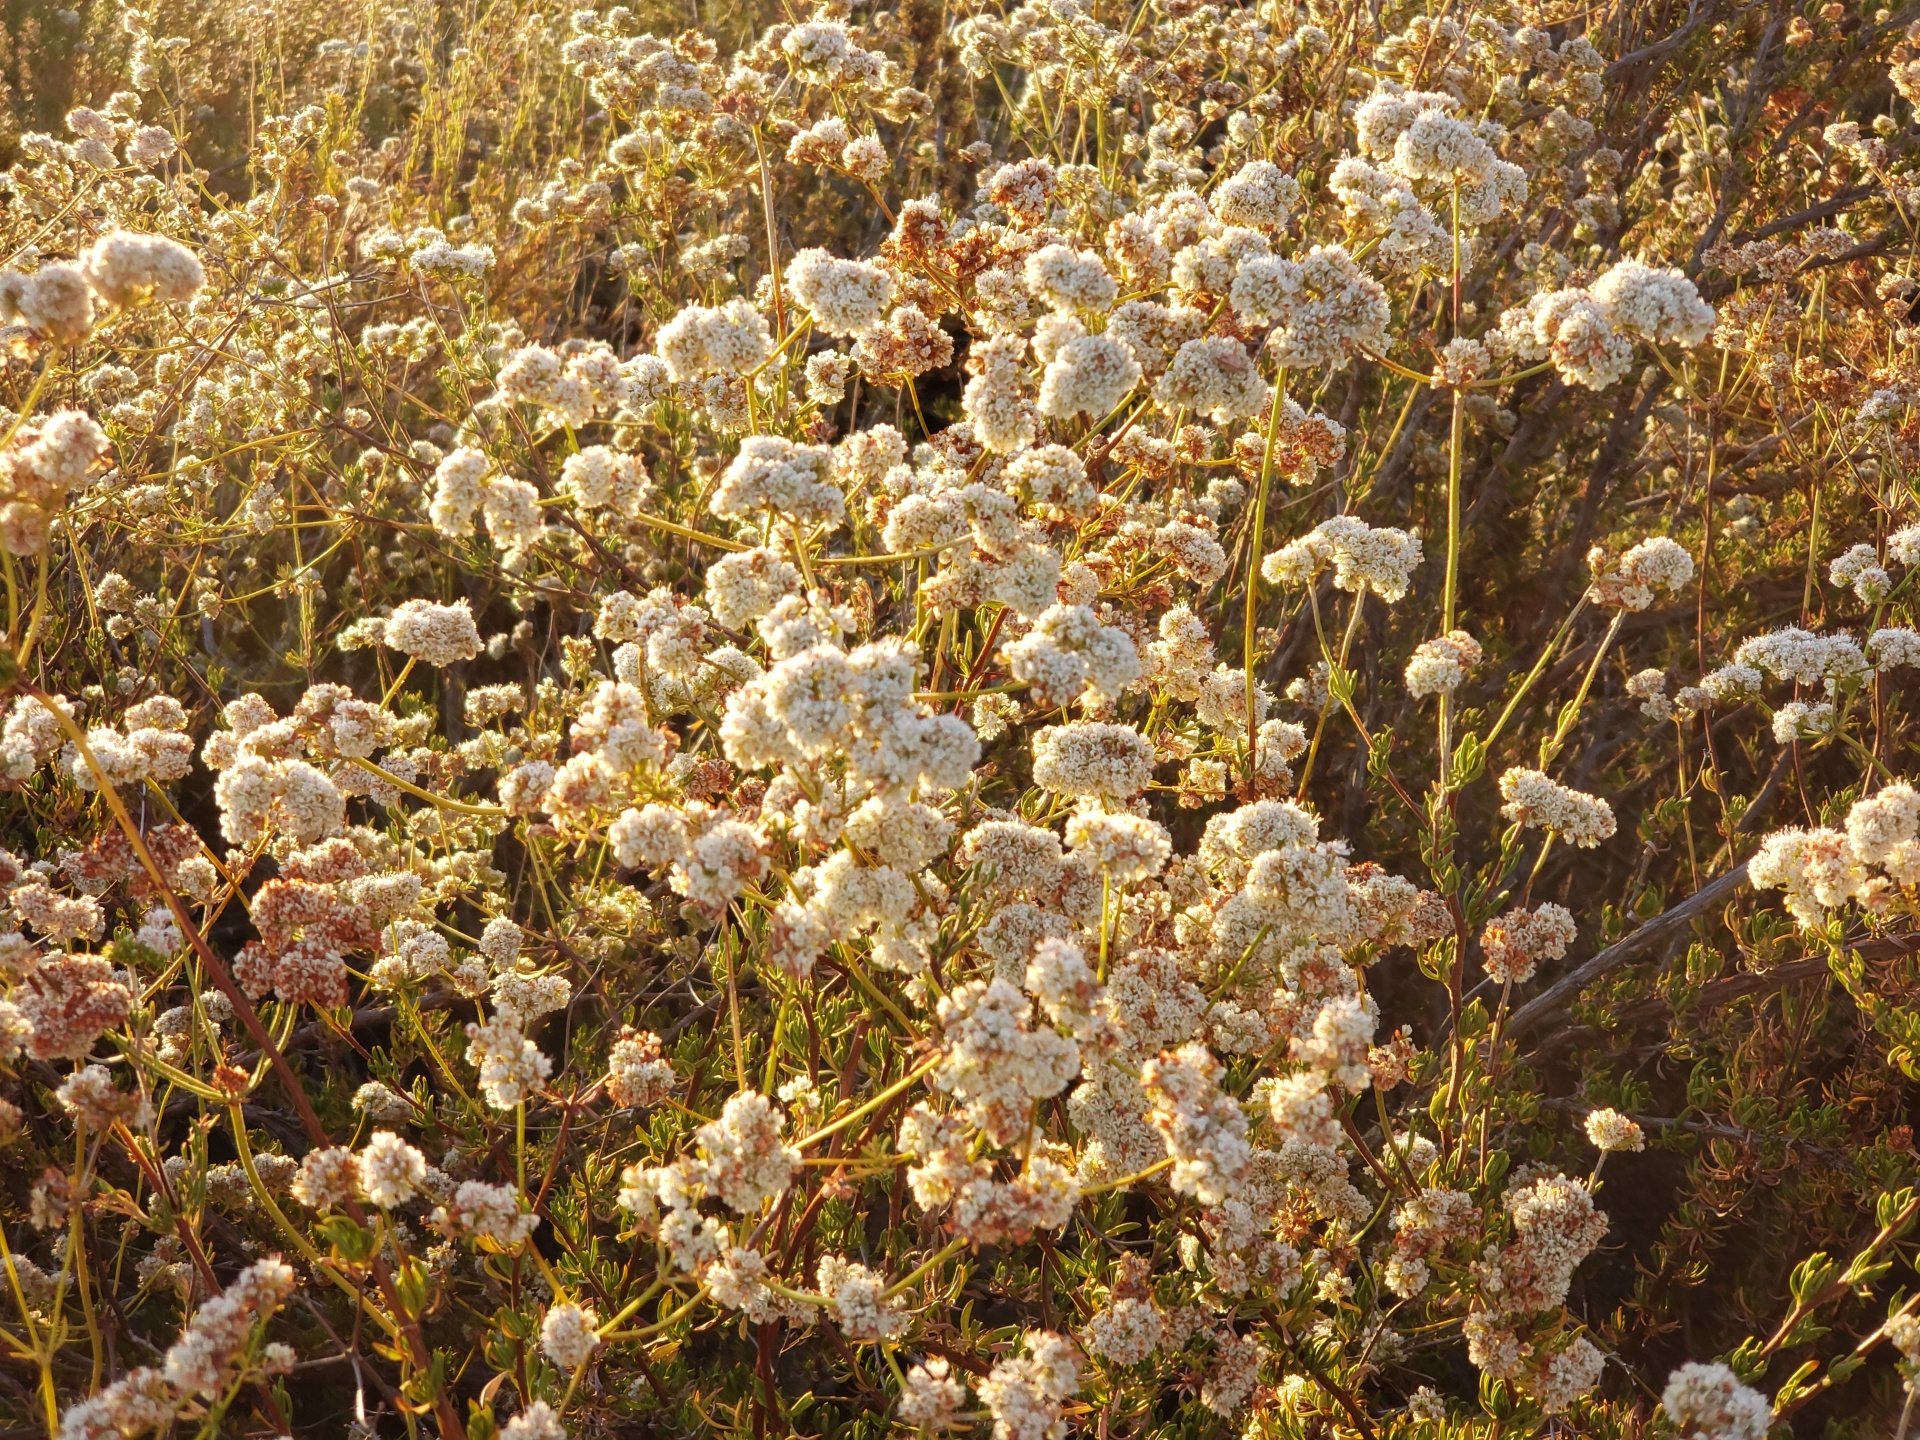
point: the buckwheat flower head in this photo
(638, 1074)
(1439, 667)
(603, 478)
(1731, 684)
(1657, 563)
(70, 1001)
(1069, 652)
(383, 1104)
(859, 1300)
(1515, 943)
(523, 998)
(1060, 978)
(822, 51)
(1801, 720)
(1340, 1042)
(539, 1421)
(1003, 416)
(211, 1350)
(747, 1162)
(1657, 305)
(1709, 1402)
(391, 1170)
(1537, 802)
(1460, 362)
(511, 509)
(141, 1400)
(845, 297)
(1124, 847)
(932, 1397)
(827, 375)
(327, 1178)
(722, 860)
(1650, 688)
(1817, 870)
(124, 268)
(1572, 329)
(1092, 759)
(908, 344)
(487, 1213)
(744, 586)
(436, 255)
(1234, 840)
(1567, 1376)
(1152, 332)
(699, 341)
(90, 124)
(738, 1279)
(1860, 569)
(1125, 1332)
(1195, 554)
(1212, 264)
(1302, 1110)
(55, 302)
(1259, 195)
(1086, 375)
(772, 474)
(1881, 829)
(1806, 658)
(511, 1066)
(1010, 859)
(1050, 477)
(500, 941)
(1609, 1130)
(91, 1097)
(440, 635)
(1301, 889)
(1556, 1227)
(1436, 145)
(1332, 310)
(1024, 1393)
(151, 145)
(996, 1063)
(1234, 1374)
(1067, 279)
(1215, 377)
(567, 1335)
(1203, 1128)
(1022, 188)
(459, 486)
(1363, 558)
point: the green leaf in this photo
(354, 1243)
(1811, 1276)
(1795, 1383)
(1341, 683)
(1377, 753)
(1469, 760)
(1887, 1206)
(1747, 1362)
(410, 1285)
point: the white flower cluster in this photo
(1709, 1402)
(1656, 563)
(1535, 801)
(211, 1355)
(1363, 557)
(1588, 334)
(1821, 870)
(1024, 1393)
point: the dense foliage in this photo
(1113, 717)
